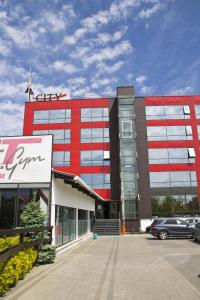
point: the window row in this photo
(173, 179)
(52, 116)
(60, 136)
(167, 133)
(175, 205)
(171, 155)
(166, 112)
(94, 135)
(89, 135)
(97, 181)
(96, 114)
(88, 158)
(95, 158)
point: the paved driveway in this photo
(135, 267)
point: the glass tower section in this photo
(128, 156)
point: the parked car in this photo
(155, 221)
(172, 227)
(196, 233)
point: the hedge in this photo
(7, 242)
(16, 268)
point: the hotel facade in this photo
(140, 154)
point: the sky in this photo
(90, 47)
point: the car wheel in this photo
(163, 235)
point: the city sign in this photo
(51, 97)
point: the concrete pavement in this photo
(135, 267)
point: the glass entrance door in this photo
(7, 208)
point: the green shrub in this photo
(7, 242)
(16, 268)
(33, 216)
(46, 254)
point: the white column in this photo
(76, 223)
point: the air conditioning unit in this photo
(186, 110)
(191, 153)
(106, 155)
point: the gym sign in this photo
(25, 159)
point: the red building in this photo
(81, 137)
(141, 154)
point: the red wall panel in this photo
(75, 126)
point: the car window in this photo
(180, 222)
(171, 221)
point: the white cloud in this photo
(104, 68)
(102, 82)
(182, 91)
(22, 38)
(11, 114)
(104, 37)
(108, 53)
(55, 21)
(118, 9)
(64, 67)
(77, 81)
(141, 79)
(147, 13)
(146, 90)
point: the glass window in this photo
(97, 181)
(197, 111)
(94, 158)
(169, 156)
(164, 133)
(61, 158)
(127, 129)
(52, 116)
(95, 114)
(65, 224)
(82, 222)
(175, 205)
(60, 136)
(166, 112)
(173, 179)
(94, 135)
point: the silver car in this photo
(196, 233)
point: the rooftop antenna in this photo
(29, 90)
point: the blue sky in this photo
(90, 47)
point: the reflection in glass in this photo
(52, 116)
(61, 158)
(94, 135)
(60, 136)
(94, 114)
(93, 158)
(97, 180)
(65, 224)
(164, 133)
(82, 222)
(166, 112)
(176, 205)
(169, 156)
(173, 179)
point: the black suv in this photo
(172, 227)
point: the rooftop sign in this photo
(25, 159)
(50, 97)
